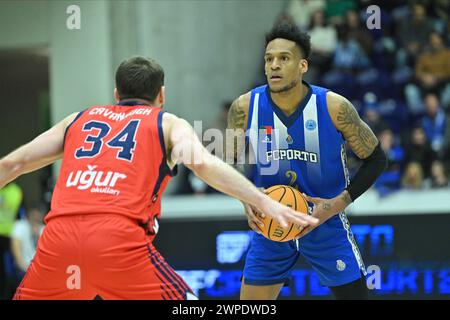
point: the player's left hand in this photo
(323, 210)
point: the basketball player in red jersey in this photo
(116, 162)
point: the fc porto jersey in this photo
(303, 150)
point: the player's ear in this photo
(116, 95)
(303, 66)
(162, 96)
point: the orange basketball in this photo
(292, 198)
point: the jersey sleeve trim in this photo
(73, 121)
(171, 172)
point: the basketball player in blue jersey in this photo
(296, 133)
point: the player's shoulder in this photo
(341, 110)
(170, 118)
(243, 101)
(169, 121)
(70, 119)
(336, 102)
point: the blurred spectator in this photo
(440, 10)
(25, 235)
(419, 150)
(398, 78)
(10, 201)
(302, 11)
(357, 32)
(323, 36)
(323, 42)
(389, 180)
(439, 178)
(434, 122)
(433, 66)
(372, 118)
(348, 54)
(413, 33)
(413, 176)
(336, 10)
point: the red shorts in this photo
(99, 256)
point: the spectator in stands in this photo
(413, 176)
(349, 55)
(302, 11)
(324, 42)
(413, 33)
(10, 201)
(336, 10)
(418, 149)
(389, 180)
(373, 119)
(323, 36)
(440, 11)
(432, 73)
(434, 122)
(25, 235)
(433, 66)
(357, 32)
(439, 178)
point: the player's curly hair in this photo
(286, 29)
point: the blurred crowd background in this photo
(398, 78)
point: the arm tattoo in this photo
(236, 122)
(355, 131)
(236, 116)
(326, 206)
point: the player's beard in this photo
(286, 88)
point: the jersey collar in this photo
(133, 102)
(289, 120)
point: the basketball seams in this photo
(295, 198)
(271, 191)
(292, 226)
(268, 229)
(296, 205)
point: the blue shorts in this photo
(330, 249)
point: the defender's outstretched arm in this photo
(40, 152)
(185, 147)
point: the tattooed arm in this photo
(361, 140)
(356, 132)
(235, 137)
